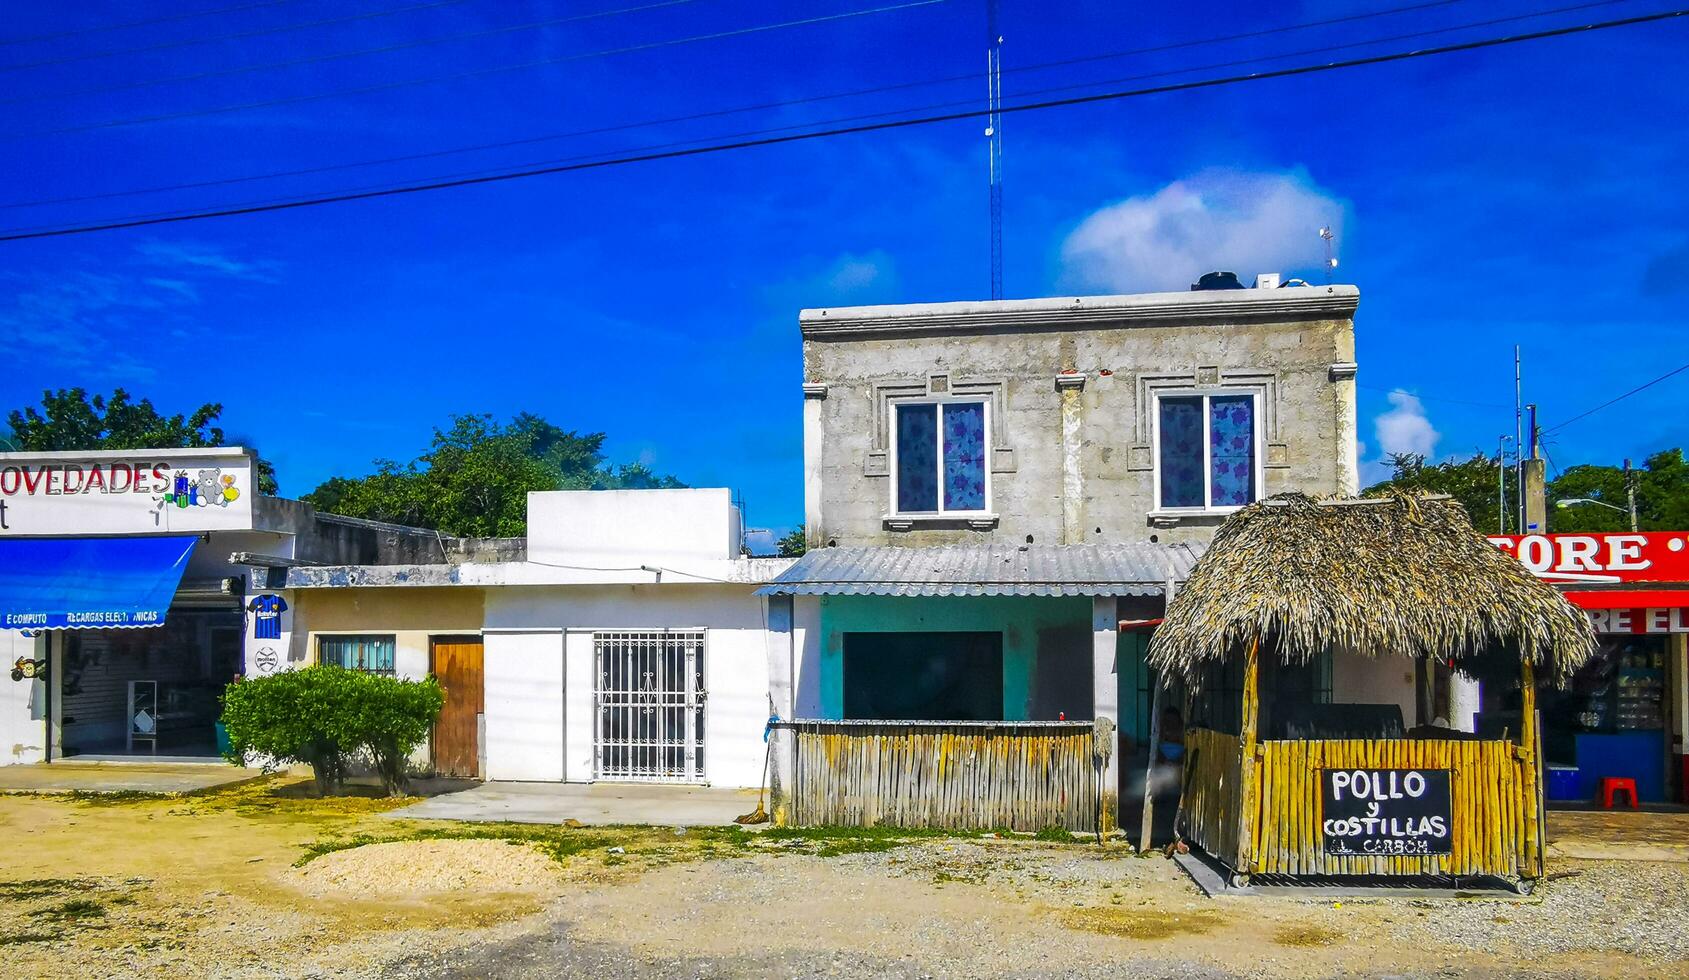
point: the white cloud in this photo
(1404, 428)
(1216, 219)
(109, 323)
(207, 259)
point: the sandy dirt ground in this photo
(208, 886)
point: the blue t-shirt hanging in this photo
(266, 616)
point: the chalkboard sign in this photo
(1386, 812)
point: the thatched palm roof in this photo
(1392, 576)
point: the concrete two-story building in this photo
(991, 488)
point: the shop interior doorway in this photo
(146, 692)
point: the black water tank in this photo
(1217, 280)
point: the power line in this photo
(236, 36)
(477, 73)
(536, 25)
(98, 28)
(1613, 401)
(787, 103)
(649, 148)
(714, 148)
(340, 55)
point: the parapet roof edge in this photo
(1199, 306)
(192, 452)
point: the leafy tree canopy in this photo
(793, 544)
(1662, 491)
(475, 477)
(71, 420)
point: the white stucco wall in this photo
(1374, 680)
(524, 699)
(536, 636)
(619, 528)
(806, 624)
(23, 704)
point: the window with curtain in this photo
(941, 457)
(368, 653)
(1206, 451)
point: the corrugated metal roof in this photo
(1042, 570)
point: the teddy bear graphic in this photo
(207, 488)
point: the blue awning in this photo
(89, 583)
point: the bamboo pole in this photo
(1154, 740)
(1248, 783)
(1529, 749)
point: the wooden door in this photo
(457, 746)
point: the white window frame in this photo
(1205, 394)
(941, 512)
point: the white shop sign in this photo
(129, 492)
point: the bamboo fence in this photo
(954, 775)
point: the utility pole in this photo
(1501, 486)
(1630, 493)
(1519, 438)
(1533, 490)
(994, 133)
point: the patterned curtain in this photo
(1181, 452)
(964, 456)
(1231, 452)
(370, 654)
(917, 458)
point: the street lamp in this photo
(1580, 501)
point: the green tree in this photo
(793, 544)
(69, 420)
(1471, 481)
(475, 477)
(1662, 491)
(1662, 496)
(328, 717)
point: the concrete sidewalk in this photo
(594, 804)
(73, 776)
(1655, 834)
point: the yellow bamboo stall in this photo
(1297, 579)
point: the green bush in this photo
(325, 715)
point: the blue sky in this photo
(1526, 195)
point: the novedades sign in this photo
(49, 479)
(125, 493)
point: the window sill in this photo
(1207, 515)
(960, 522)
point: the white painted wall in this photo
(735, 671)
(524, 699)
(622, 528)
(23, 704)
(1374, 680)
(806, 641)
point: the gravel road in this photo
(964, 909)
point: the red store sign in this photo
(1651, 569)
(1649, 556)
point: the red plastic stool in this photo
(1612, 785)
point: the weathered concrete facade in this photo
(1072, 385)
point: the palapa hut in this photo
(1341, 790)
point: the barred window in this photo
(372, 654)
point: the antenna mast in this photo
(994, 133)
(1330, 239)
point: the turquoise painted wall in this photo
(1019, 618)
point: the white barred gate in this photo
(649, 724)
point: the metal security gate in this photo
(650, 693)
